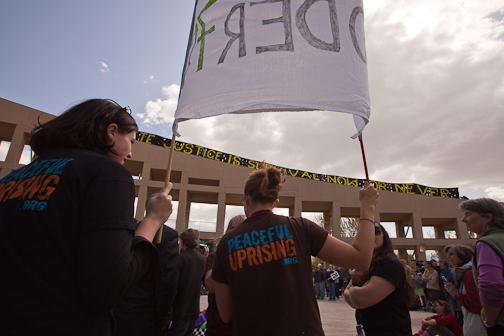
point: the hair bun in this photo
(264, 184)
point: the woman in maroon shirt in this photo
(444, 323)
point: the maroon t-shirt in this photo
(266, 261)
(450, 322)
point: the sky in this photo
(436, 81)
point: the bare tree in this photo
(349, 226)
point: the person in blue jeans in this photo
(319, 278)
(332, 277)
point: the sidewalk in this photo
(338, 318)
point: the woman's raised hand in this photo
(368, 195)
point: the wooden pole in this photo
(363, 157)
(168, 175)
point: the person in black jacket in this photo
(69, 251)
(147, 309)
(191, 265)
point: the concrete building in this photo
(201, 180)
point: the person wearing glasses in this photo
(485, 217)
(381, 295)
(262, 270)
(68, 248)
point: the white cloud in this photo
(150, 80)
(161, 111)
(496, 193)
(105, 67)
(203, 217)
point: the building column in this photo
(221, 213)
(17, 145)
(400, 229)
(403, 254)
(461, 230)
(142, 190)
(141, 199)
(377, 217)
(335, 219)
(326, 219)
(298, 206)
(420, 255)
(416, 225)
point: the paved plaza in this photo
(338, 318)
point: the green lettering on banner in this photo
(192, 149)
(204, 32)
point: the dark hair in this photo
(444, 262)
(190, 238)
(83, 126)
(447, 310)
(464, 253)
(190, 243)
(428, 262)
(486, 207)
(264, 184)
(387, 251)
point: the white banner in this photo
(275, 55)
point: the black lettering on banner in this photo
(242, 51)
(187, 148)
(307, 34)
(353, 17)
(286, 19)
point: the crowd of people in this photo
(333, 281)
(77, 264)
